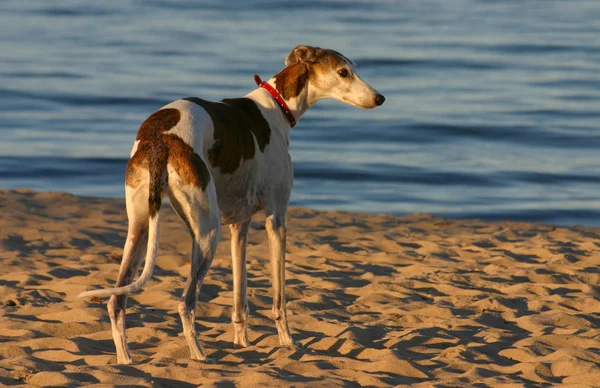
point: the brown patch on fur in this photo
(158, 122)
(328, 60)
(137, 165)
(237, 122)
(156, 149)
(156, 164)
(189, 166)
(290, 81)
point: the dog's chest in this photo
(239, 195)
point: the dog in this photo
(220, 163)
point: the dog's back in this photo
(246, 158)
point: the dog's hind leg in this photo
(133, 254)
(198, 208)
(239, 316)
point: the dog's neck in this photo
(292, 84)
(298, 104)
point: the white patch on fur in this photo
(194, 124)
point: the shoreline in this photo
(375, 299)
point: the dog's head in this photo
(326, 74)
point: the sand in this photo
(375, 300)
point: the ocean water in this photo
(492, 111)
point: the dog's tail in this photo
(156, 167)
(146, 273)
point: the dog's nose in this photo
(379, 99)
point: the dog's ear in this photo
(301, 54)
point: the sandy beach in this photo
(375, 300)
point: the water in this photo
(492, 107)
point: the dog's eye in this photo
(343, 73)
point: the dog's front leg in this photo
(239, 316)
(275, 225)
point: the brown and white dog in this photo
(220, 163)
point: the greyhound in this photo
(220, 163)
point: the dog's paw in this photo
(204, 360)
(124, 359)
(292, 345)
(241, 344)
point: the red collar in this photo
(284, 108)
